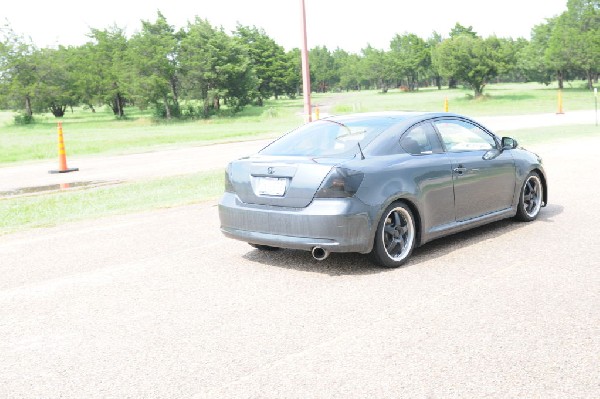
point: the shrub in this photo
(24, 119)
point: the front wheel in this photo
(395, 237)
(531, 197)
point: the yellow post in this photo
(317, 113)
(446, 104)
(560, 102)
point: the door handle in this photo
(459, 170)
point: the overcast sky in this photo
(348, 24)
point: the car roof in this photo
(394, 115)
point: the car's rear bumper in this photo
(337, 225)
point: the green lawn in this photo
(498, 99)
(88, 133)
(20, 213)
(554, 134)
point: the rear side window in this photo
(460, 136)
(420, 140)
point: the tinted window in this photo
(328, 138)
(420, 140)
(459, 136)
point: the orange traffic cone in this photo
(62, 155)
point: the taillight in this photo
(340, 183)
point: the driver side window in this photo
(460, 136)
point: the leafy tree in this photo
(104, 68)
(378, 67)
(510, 51)
(154, 66)
(86, 75)
(54, 89)
(268, 59)
(565, 46)
(433, 69)
(18, 71)
(532, 57)
(559, 54)
(293, 73)
(214, 66)
(349, 66)
(504, 51)
(472, 60)
(582, 20)
(460, 30)
(410, 57)
(323, 71)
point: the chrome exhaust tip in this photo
(319, 253)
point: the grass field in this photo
(99, 133)
(88, 133)
(58, 207)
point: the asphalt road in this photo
(160, 305)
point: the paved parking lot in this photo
(160, 305)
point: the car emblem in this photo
(270, 170)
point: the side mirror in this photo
(509, 143)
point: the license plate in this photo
(272, 186)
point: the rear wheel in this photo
(395, 237)
(530, 200)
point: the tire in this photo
(395, 237)
(264, 247)
(530, 198)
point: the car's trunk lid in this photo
(279, 181)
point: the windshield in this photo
(326, 137)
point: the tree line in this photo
(194, 71)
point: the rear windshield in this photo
(326, 138)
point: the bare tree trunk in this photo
(560, 77)
(121, 102)
(173, 82)
(167, 109)
(478, 89)
(28, 106)
(117, 106)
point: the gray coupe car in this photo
(379, 183)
